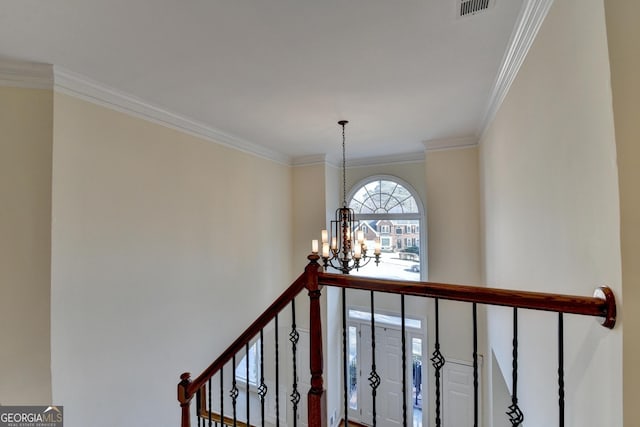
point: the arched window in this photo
(389, 210)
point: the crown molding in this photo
(79, 86)
(392, 159)
(31, 75)
(450, 143)
(323, 159)
(310, 160)
(527, 26)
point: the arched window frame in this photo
(420, 215)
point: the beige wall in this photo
(453, 216)
(551, 214)
(310, 202)
(25, 245)
(165, 246)
(447, 184)
(623, 34)
(309, 206)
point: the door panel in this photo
(457, 401)
(389, 368)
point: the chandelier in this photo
(348, 249)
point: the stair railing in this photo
(601, 305)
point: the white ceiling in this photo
(281, 73)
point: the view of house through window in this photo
(389, 211)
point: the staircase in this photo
(295, 397)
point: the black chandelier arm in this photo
(345, 265)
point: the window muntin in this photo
(393, 214)
(383, 196)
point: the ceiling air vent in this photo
(471, 7)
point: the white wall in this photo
(623, 36)
(551, 214)
(164, 248)
(26, 135)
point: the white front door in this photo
(389, 369)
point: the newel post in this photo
(316, 402)
(185, 399)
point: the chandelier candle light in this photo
(344, 253)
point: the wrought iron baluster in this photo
(294, 337)
(345, 367)
(277, 375)
(404, 364)
(561, 369)
(247, 349)
(234, 393)
(516, 417)
(222, 396)
(210, 393)
(438, 362)
(198, 412)
(475, 365)
(262, 389)
(374, 378)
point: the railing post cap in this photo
(183, 389)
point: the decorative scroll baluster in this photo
(438, 362)
(404, 364)
(561, 369)
(374, 378)
(247, 376)
(277, 376)
(262, 389)
(345, 361)
(515, 414)
(294, 337)
(234, 393)
(475, 365)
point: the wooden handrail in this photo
(283, 300)
(603, 305)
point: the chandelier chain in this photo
(344, 167)
(344, 248)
